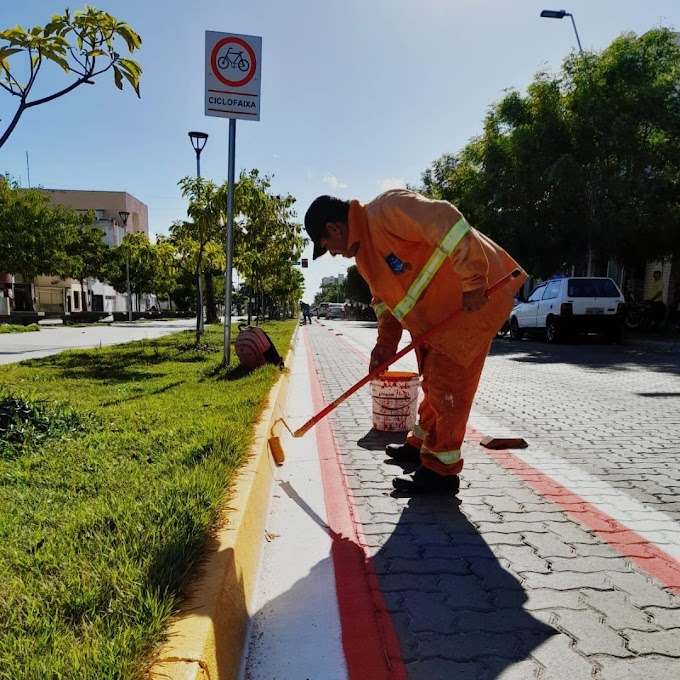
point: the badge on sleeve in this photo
(396, 265)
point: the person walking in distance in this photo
(422, 260)
(305, 312)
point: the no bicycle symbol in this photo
(233, 62)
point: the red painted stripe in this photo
(368, 638)
(635, 548)
(240, 94)
(629, 543)
(243, 113)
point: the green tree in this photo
(198, 240)
(34, 235)
(586, 162)
(83, 44)
(87, 256)
(356, 288)
(267, 241)
(141, 255)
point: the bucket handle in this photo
(395, 408)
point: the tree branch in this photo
(71, 87)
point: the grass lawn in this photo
(18, 328)
(111, 474)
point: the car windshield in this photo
(604, 288)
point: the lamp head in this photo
(554, 14)
(198, 140)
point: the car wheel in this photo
(552, 330)
(516, 333)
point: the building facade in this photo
(53, 295)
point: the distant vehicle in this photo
(313, 311)
(563, 307)
(321, 311)
(335, 310)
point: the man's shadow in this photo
(457, 613)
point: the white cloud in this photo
(392, 183)
(276, 155)
(333, 182)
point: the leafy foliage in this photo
(37, 238)
(588, 159)
(356, 288)
(82, 44)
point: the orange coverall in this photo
(418, 256)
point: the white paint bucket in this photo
(395, 401)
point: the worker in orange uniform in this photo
(422, 260)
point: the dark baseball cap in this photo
(323, 210)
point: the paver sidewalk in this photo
(500, 583)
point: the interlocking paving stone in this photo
(644, 668)
(504, 558)
(443, 669)
(666, 642)
(665, 617)
(559, 658)
(642, 591)
(618, 610)
(592, 635)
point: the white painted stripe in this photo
(295, 630)
(653, 525)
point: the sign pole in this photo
(230, 240)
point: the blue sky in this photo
(357, 95)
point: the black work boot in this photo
(424, 480)
(403, 453)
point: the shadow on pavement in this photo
(456, 611)
(593, 354)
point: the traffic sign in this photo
(232, 75)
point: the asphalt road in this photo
(55, 339)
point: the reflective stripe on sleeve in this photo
(424, 278)
(380, 309)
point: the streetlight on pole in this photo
(560, 14)
(198, 141)
(124, 214)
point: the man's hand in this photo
(474, 300)
(380, 355)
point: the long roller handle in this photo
(386, 364)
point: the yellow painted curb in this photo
(206, 640)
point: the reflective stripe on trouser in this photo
(449, 390)
(417, 435)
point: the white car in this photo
(563, 307)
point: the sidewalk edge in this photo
(206, 640)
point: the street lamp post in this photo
(560, 14)
(198, 142)
(124, 214)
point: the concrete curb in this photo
(206, 640)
